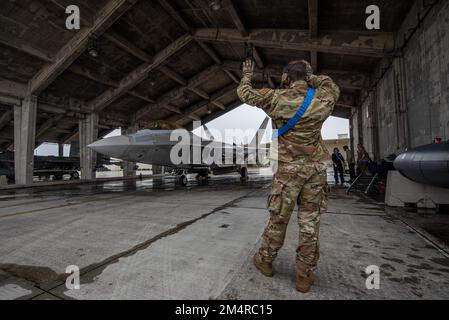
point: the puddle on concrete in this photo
(38, 276)
(441, 261)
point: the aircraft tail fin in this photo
(262, 127)
(209, 135)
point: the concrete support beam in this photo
(231, 76)
(172, 109)
(215, 98)
(236, 18)
(88, 74)
(214, 56)
(345, 79)
(74, 48)
(416, 14)
(129, 168)
(5, 119)
(10, 89)
(360, 117)
(313, 18)
(404, 142)
(47, 125)
(138, 53)
(374, 130)
(104, 123)
(88, 133)
(210, 52)
(127, 46)
(348, 42)
(313, 29)
(61, 150)
(342, 111)
(24, 140)
(168, 7)
(76, 109)
(138, 75)
(178, 92)
(351, 132)
(349, 80)
(214, 115)
(21, 46)
(70, 137)
(9, 101)
(142, 55)
(6, 138)
(174, 13)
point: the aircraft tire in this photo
(183, 180)
(244, 173)
(75, 175)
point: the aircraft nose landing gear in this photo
(183, 180)
(244, 174)
(181, 177)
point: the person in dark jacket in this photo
(339, 162)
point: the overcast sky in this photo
(243, 117)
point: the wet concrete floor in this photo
(157, 240)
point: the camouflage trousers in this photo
(292, 184)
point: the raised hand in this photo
(248, 67)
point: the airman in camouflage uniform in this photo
(301, 175)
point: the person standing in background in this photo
(363, 159)
(351, 162)
(339, 163)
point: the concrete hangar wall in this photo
(408, 103)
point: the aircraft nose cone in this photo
(113, 147)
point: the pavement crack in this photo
(89, 273)
(356, 214)
(64, 206)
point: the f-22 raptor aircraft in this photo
(154, 147)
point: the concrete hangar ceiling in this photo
(174, 60)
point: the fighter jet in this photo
(47, 166)
(154, 147)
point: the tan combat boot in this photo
(265, 268)
(304, 279)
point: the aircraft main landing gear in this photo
(74, 175)
(183, 180)
(181, 177)
(202, 177)
(244, 174)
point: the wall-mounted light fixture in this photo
(93, 47)
(215, 5)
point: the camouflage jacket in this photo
(362, 155)
(303, 144)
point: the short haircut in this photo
(298, 70)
